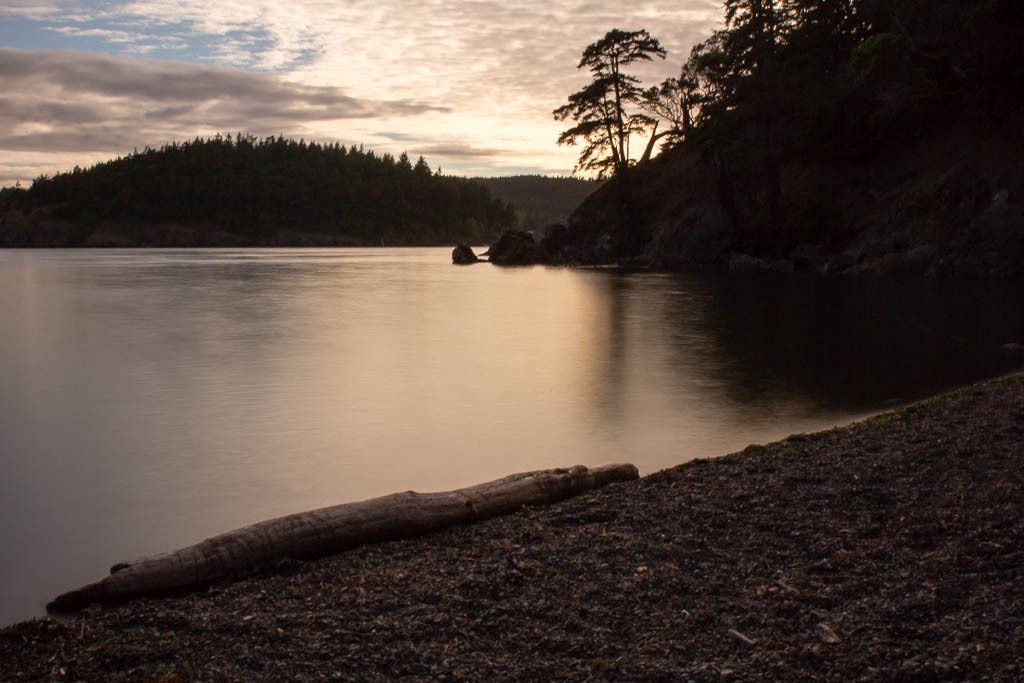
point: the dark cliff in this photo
(877, 136)
(947, 201)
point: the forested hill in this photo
(242, 190)
(863, 135)
(539, 200)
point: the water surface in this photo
(151, 398)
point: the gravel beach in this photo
(892, 549)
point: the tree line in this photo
(540, 201)
(811, 79)
(258, 187)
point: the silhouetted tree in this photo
(673, 103)
(606, 112)
(804, 81)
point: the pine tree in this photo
(606, 111)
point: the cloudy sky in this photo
(470, 84)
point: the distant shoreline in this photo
(891, 547)
(64, 235)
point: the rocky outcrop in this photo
(516, 248)
(742, 264)
(808, 257)
(745, 264)
(837, 264)
(949, 201)
(698, 238)
(997, 238)
(557, 241)
(463, 255)
(917, 261)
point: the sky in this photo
(468, 84)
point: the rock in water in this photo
(698, 238)
(517, 248)
(463, 255)
(556, 238)
(916, 261)
(743, 264)
(808, 257)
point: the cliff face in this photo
(945, 201)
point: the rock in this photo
(463, 255)
(888, 264)
(698, 238)
(642, 262)
(839, 263)
(556, 239)
(997, 240)
(743, 264)
(604, 250)
(961, 265)
(825, 632)
(780, 266)
(918, 261)
(1002, 198)
(921, 260)
(1001, 223)
(808, 257)
(871, 247)
(516, 248)
(894, 242)
(860, 253)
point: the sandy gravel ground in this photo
(889, 550)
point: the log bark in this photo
(318, 533)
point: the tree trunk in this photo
(627, 230)
(309, 535)
(655, 136)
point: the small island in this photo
(243, 191)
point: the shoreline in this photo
(890, 548)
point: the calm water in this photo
(149, 399)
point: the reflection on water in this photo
(152, 398)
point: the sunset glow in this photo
(468, 84)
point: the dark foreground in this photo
(892, 549)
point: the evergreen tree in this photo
(258, 188)
(606, 112)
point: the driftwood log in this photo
(309, 535)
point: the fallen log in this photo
(309, 535)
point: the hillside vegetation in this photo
(858, 132)
(242, 190)
(540, 201)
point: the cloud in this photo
(395, 74)
(84, 102)
(109, 35)
(458, 151)
(30, 9)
